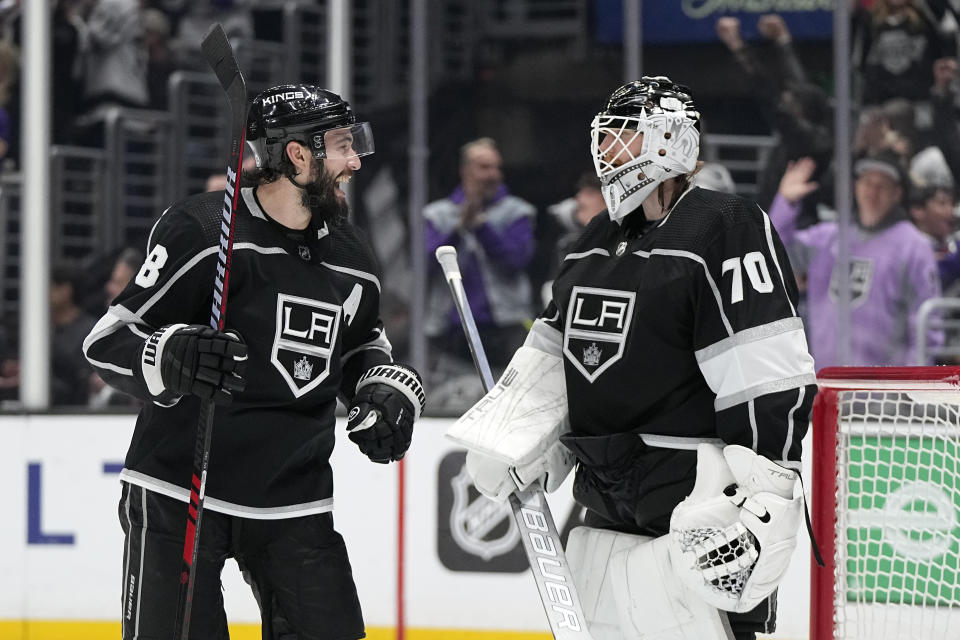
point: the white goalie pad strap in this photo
(732, 538)
(401, 378)
(524, 414)
(630, 591)
(152, 356)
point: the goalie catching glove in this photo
(388, 400)
(182, 359)
(733, 536)
(513, 433)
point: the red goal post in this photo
(885, 503)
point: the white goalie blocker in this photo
(512, 434)
(728, 548)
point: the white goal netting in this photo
(897, 533)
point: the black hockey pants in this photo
(298, 570)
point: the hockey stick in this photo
(541, 541)
(219, 55)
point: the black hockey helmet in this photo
(306, 114)
(649, 95)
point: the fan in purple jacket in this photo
(493, 233)
(893, 269)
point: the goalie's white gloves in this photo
(497, 480)
(513, 433)
(733, 536)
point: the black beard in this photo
(320, 197)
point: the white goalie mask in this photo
(647, 133)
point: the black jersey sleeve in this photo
(365, 342)
(174, 285)
(749, 340)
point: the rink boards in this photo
(465, 576)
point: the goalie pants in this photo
(297, 568)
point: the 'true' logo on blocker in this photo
(306, 334)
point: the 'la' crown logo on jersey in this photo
(306, 335)
(598, 323)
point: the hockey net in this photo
(886, 504)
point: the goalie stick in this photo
(541, 541)
(219, 55)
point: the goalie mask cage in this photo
(886, 504)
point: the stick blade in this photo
(219, 55)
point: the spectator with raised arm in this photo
(796, 110)
(892, 266)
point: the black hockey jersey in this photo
(673, 333)
(307, 305)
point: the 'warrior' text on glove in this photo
(181, 360)
(389, 399)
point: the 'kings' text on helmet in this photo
(306, 114)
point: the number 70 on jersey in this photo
(755, 265)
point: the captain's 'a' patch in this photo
(306, 336)
(598, 323)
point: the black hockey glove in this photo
(181, 360)
(389, 399)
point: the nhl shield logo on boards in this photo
(306, 335)
(598, 323)
(474, 533)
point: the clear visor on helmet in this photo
(614, 142)
(343, 143)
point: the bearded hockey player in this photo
(303, 327)
(673, 366)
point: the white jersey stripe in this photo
(228, 508)
(247, 194)
(752, 415)
(143, 553)
(194, 261)
(126, 564)
(191, 263)
(776, 262)
(755, 363)
(380, 343)
(354, 272)
(584, 254)
(713, 285)
(764, 389)
(789, 439)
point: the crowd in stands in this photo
(902, 243)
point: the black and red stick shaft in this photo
(219, 54)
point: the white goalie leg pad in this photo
(629, 590)
(733, 536)
(524, 414)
